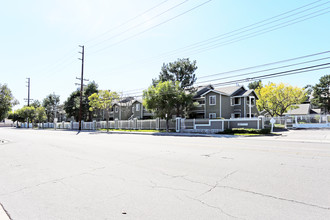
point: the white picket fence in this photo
(302, 121)
(179, 124)
(152, 124)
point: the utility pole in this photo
(28, 99)
(28, 82)
(81, 83)
(55, 104)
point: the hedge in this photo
(246, 131)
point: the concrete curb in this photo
(4, 214)
(174, 134)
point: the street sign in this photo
(272, 120)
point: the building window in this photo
(116, 109)
(236, 101)
(201, 102)
(137, 107)
(212, 115)
(253, 102)
(212, 100)
(236, 115)
(252, 115)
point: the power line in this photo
(251, 73)
(260, 32)
(268, 76)
(247, 36)
(140, 24)
(126, 22)
(253, 26)
(282, 73)
(139, 33)
(266, 64)
(256, 67)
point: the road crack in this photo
(155, 185)
(51, 181)
(274, 197)
(214, 207)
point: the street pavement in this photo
(46, 174)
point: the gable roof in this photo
(303, 109)
(137, 100)
(202, 91)
(229, 90)
(246, 93)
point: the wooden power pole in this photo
(81, 83)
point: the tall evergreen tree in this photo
(321, 93)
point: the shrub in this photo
(246, 131)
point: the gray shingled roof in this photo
(228, 90)
(303, 109)
(202, 91)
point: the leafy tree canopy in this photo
(49, 103)
(321, 93)
(162, 99)
(36, 104)
(277, 99)
(255, 85)
(72, 104)
(7, 101)
(181, 70)
(41, 114)
(103, 100)
(27, 112)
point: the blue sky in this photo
(39, 39)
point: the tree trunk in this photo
(107, 117)
(166, 124)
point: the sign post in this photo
(272, 121)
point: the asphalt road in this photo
(62, 175)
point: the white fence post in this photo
(116, 123)
(135, 124)
(157, 123)
(178, 124)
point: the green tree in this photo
(50, 103)
(162, 99)
(15, 116)
(36, 104)
(72, 104)
(7, 101)
(321, 93)
(103, 100)
(181, 70)
(27, 113)
(255, 85)
(41, 114)
(278, 99)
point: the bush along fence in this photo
(178, 124)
